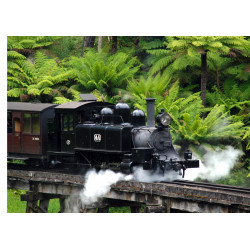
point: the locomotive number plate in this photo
(97, 137)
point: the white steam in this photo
(154, 176)
(216, 164)
(98, 184)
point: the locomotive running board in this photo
(101, 150)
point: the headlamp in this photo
(163, 119)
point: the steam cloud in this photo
(216, 165)
(98, 184)
(147, 176)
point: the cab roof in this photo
(76, 105)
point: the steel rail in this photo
(213, 186)
(206, 185)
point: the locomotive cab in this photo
(62, 136)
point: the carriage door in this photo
(16, 133)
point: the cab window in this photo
(67, 121)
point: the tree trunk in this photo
(218, 79)
(88, 42)
(114, 44)
(203, 77)
(99, 43)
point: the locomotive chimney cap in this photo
(150, 99)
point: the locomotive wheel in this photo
(82, 164)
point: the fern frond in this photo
(61, 100)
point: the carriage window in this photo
(17, 125)
(26, 123)
(9, 122)
(35, 124)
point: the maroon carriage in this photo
(28, 129)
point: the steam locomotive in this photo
(89, 133)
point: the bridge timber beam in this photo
(154, 197)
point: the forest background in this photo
(203, 82)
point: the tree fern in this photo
(61, 100)
(182, 52)
(106, 73)
(214, 129)
(38, 79)
(29, 42)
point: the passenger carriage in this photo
(27, 130)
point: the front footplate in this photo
(179, 165)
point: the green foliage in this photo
(51, 69)
(29, 42)
(39, 79)
(178, 57)
(65, 47)
(235, 97)
(246, 137)
(15, 205)
(188, 128)
(236, 178)
(107, 74)
(61, 100)
(150, 87)
(17, 73)
(213, 129)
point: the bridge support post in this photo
(44, 205)
(32, 197)
(135, 209)
(103, 209)
(167, 205)
(32, 200)
(155, 209)
(62, 205)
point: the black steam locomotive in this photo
(90, 134)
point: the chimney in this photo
(150, 112)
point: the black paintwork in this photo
(104, 135)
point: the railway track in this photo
(186, 183)
(180, 194)
(23, 167)
(213, 186)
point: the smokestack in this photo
(150, 112)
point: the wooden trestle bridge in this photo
(167, 197)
